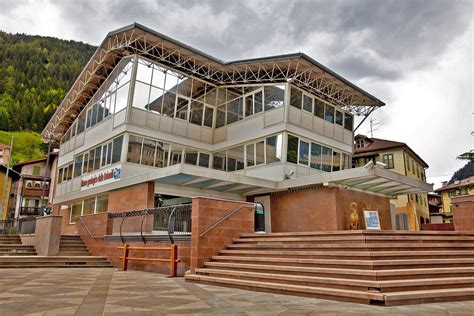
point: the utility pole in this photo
(43, 206)
(5, 183)
(373, 122)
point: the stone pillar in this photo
(207, 211)
(48, 235)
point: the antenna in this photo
(373, 123)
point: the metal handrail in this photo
(121, 236)
(141, 229)
(171, 226)
(227, 216)
(87, 228)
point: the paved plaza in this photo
(111, 292)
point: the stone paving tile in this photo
(105, 291)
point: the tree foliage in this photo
(35, 74)
(26, 145)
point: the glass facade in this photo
(169, 93)
(310, 154)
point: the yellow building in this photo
(411, 210)
(457, 186)
(12, 176)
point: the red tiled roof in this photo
(377, 144)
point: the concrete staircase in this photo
(72, 254)
(72, 246)
(373, 267)
(12, 246)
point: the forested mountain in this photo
(35, 74)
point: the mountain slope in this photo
(35, 74)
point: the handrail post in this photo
(174, 260)
(125, 257)
(171, 225)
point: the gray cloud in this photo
(365, 36)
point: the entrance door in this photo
(265, 200)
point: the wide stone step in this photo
(359, 232)
(360, 239)
(32, 253)
(72, 254)
(70, 265)
(339, 283)
(326, 293)
(72, 246)
(428, 296)
(365, 255)
(342, 283)
(347, 273)
(353, 246)
(4, 260)
(357, 264)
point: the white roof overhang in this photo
(370, 179)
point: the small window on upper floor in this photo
(296, 98)
(329, 113)
(388, 160)
(339, 118)
(359, 143)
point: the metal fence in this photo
(170, 220)
(25, 225)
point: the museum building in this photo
(151, 121)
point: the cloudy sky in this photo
(415, 55)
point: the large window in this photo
(273, 148)
(316, 153)
(274, 96)
(303, 153)
(329, 113)
(134, 149)
(292, 150)
(92, 205)
(111, 97)
(306, 153)
(93, 159)
(326, 159)
(162, 90)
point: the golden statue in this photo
(354, 216)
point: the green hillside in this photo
(35, 74)
(26, 145)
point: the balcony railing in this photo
(35, 192)
(30, 211)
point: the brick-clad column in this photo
(207, 211)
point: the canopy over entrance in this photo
(372, 179)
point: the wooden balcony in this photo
(29, 211)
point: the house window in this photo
(339, 118)
(292, 152)
(388, 160)
(360, 143)
(296, 98)
(329, 113)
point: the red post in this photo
(125, 257)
